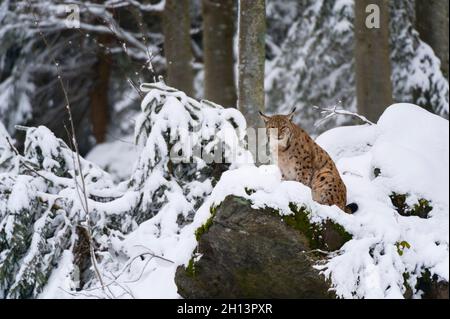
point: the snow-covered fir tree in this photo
(417, 75)
(43, 214)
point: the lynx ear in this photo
(264, 117)
(291, 115)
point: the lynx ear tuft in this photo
(264, 117)
(291, 115)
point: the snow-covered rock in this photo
(253, 253)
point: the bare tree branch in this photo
(334, 111)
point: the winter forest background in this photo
(88, 114)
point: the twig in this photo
(154, 255)
(125, 288)
(78, 293)
(127, 266)
(352, 173)
(334, 111)
(130, 262)
(77, 187)
(85, 208)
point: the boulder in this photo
(256, 253)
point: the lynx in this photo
(303, 160)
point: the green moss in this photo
(300, 220)
(191, 269)
(314, 232)
(406, 276)
(426, 278)
(247, 281)
(206, 226)
(243, 201)
(421, 209)
(346, 236)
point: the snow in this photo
(419, 140)
(59, 282)
(117, 158)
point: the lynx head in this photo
(282, 125)
(279, 128)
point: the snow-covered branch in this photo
(334, 111)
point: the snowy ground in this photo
(409, 149)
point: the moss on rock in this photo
(191, 269)
(207, 225)
(327, 236)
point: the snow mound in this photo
(409, 156)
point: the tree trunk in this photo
(218, 32)
(432, 23)
(252, 33)
(372, 54)
(177, 46)
(99, 94)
